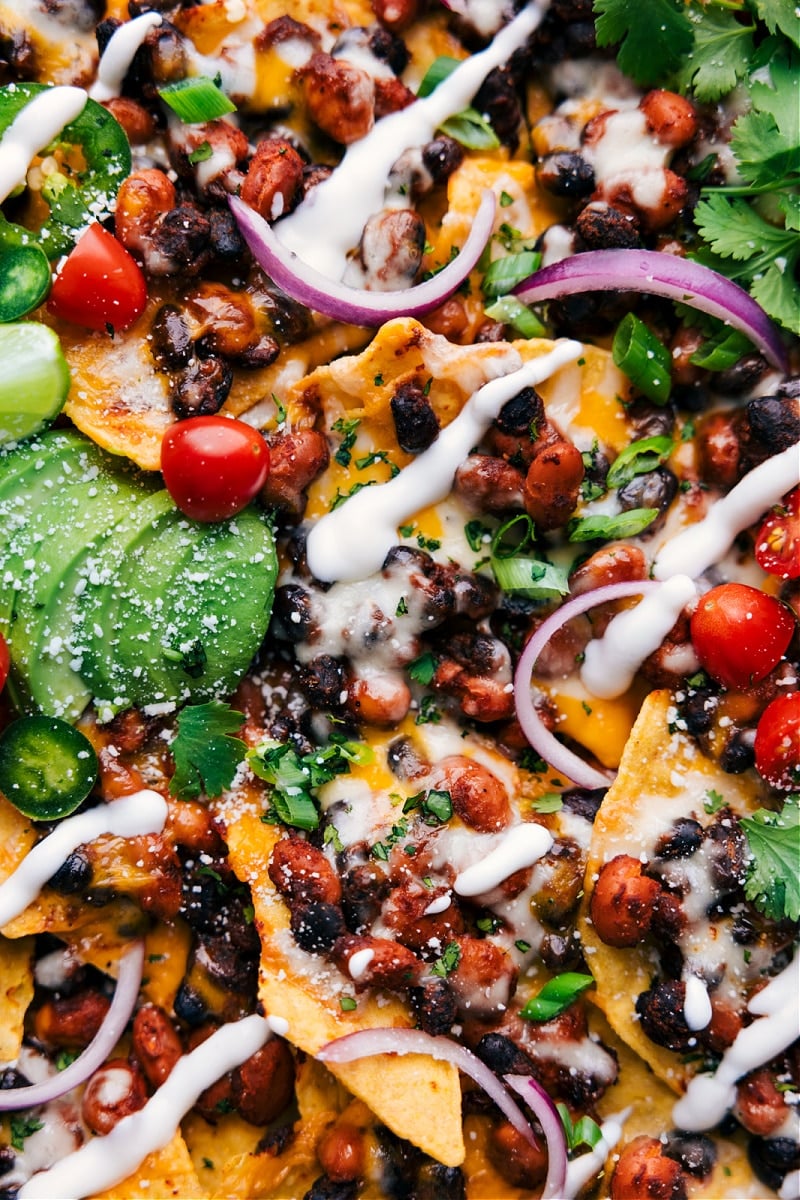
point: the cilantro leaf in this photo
(772, 882)
(655, 37)
(720, 56)
(766, 140)
(780, 15)
(448, 962)
(206, 754)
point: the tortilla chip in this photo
(418, 1098)
(16, 993)
(663, 775)
(167, 1172)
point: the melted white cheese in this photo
(133, 816)
(627, 155)
(119, 53)
(103, 1162)
(708, 1097)
(33, 128)
(351, 542)
(612, 660)
(342, 204)
(699, 546)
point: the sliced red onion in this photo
(130, 977)
(355, 306)
(368, 1042)
(661, 275)
(546, 1114)
(543, 741)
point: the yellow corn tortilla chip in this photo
(418, 1098)
(16, 993)
(166, 1173)
(662, 775)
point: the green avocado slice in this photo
(216, 607)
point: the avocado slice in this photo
(216, 607)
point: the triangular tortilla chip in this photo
(167, 1172)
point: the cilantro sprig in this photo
(772, 882)
(207, 755)
(295, 777)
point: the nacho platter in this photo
(399, 561)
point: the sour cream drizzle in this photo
(103, 1162)
(342, 204)
(708, 1097)
(585, 1167)
(521, 846)
(359, 962)
(133, 816)
(351, 542)
(34, 128)
(701, 545)
(118, 55)
(611, 661)
(696, 1003)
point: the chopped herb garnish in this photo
(639, 459)
(348, 428)
(22, 1127)
(772, 883)
(428, 712)
(423, 669)
(347, 1004)
(206, 754)
(477, 534)
(713, 801)
(626, 524)
(295, 777)
(449, 960)
(550, 802)
(584, 1132)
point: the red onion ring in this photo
(661, 275)
(131, 966)
(355, 306)
(368, 1042)
(546, 1114)
(543, 741)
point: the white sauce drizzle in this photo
(708, 1097)
(580, 1170)
(695, 549)
(358, 963)
(611, 661)
(521, 846)
(342, 204)
(439, 905)
(118, 55)
(103, 1162)
(696, 1003)
(133, 816)
(351, 542)
(790, 1188)
(33, 128)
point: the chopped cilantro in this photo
(448, 961)
(436, 806)
(295, 777)
(347, 1004)
(206, 753)
(639, 458)
(423, 668)
(505, 199)
(331, 838)
(65, 1058)
(378, 456)
(522, 946)
(340, 497)
(550, 802)
(488, 924)
(348, 428)
(714, 801)
(477, 534)
(772, 882)
(428, 712)
(201, 153)
(426, 543)
(21, 1128)
(654, 38)
(720, 55)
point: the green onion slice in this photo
(513, 312)
(530, 577)
(503, 274)
(626, 524)
(643, 358)
(639, 459)
(556, 996)
(196, 100)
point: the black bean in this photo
(566, 174)
(605, 228)
(322, 680)
(226, 241)
(696, 1153)
(435, 1007)
(415, 422)
(497, 99)
(189, 1006)
(741, 377)
(74, 875)
(559, 953)
(363, 889)
(773, 1158)
(326, 1188)
(11, 1078)
(403, 759)
(225, 964)
(681, 840)
(738, 754)
(184, 235)
(502, 1055)
(774, 422)
(660, 1011)
(438, 1182)
(655, 489)
(441, 158)
(522, 414)
(291, 613)
(170, 338)
(698, 711)
(727, 852)
(316, 926)
(390, 48)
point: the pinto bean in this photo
(263, 1085)
(483, 698)
(302, 873)
(296, 459)
(489, 484)
(484, 979)
(191, 825)
(477, 795)
(672, 118)
(391, 95)
(144, 197)
(395, 14)
(643, 1172)
(720, 448)
(391, 248)
(381, 700)
(274, 179)
(341, 1151)
(137, 122)
(552, 484)
(520, 1164)
(613, 564)
(622, 902)
(71, 1021)
(392, 966)
(340, 97)
(760, 1107)
(156, 1043)
(115, 1091)
(116, 777)
(449, 319)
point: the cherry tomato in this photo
(5, 662)
(213, 466)
(777, 744)
(778, 540)
(740, 633)
(99, 286)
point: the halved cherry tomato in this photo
(5, 662)
(740, 633)
(777, 744)
(213, 466)
(100, 286)
(778, 541)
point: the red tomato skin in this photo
(740, 634)
(213, 466)
(777, 547)
(777, 744)
(100, 286)
(5, 662)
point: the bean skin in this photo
(643, 1172)
(622, 902)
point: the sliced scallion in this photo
(512, 312)
(721, 351)
(555, 996)
(196, 100)
(470, 129)
(643, 358)
(503, 274)
(638, 459)
(626, 524)
(530, 577)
